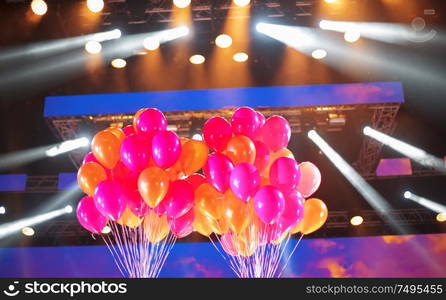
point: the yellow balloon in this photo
(202, 223)
(220, 226)
(129, 219)
(243, 248)
(280, 239)
(156, 228)
(315, 215)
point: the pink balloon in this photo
(182, 226)
(269, 233)
(89, 217)
(276, 133)
(166, 149)
(245, 121)
(150, 120)
(261, 118)
(128, 130)
(269, 203)
(161, 208)
(262, 155)
(136, 152)
(217, 170)
(284, 174)
(227, 244)
(131, 195)
(119, 172)
(179, 198)
(216, 133)
(109, 200)
(310, 179)
(244, 181)
(90, 158)
(293, 212)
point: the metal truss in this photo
(41, 184)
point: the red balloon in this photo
(128, 130)
(262, 156)
(245, 121)
(166, 149)
(276, 133)
(179, 198)
(196, 180)
(182, 226)
(217, 170)
(150, 119)
(119, 172)
(131, 195)
(216, 133)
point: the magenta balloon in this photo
(161, 208)
(179, 198)
(245, 121)
(150, 120)
(216, 133)
(136, 152)
(276, 133)
(262, 155)
(261, 118)
(128, 130)
(293, 212)
(89, 217)
(269, 203)
(227, 244)
(217, 170)
(109, 200)
(268, 233)
(182, 226)
(310, 179)
(244, 181)
(166, 149)
(284, 174)
(131, 196)
(90, 158)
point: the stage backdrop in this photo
(379, 256)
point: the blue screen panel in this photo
(67, 181)
(12, 182)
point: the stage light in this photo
(151, 43)
(441, 217)
(300, 38)
(197, 59)
(93, 47)
(39, 7)
(240, 57)
(352, 36)
(11, 227)
(241, 3)
(330, 1)
(107, 35)
(95, 5)
(68, 209)
(359, 183)
(319, 53)
(67, 146)
(2, 210)
(356, 220)
(197, 137)
(28, 231)
(223, 41)
(416, 154)
(106, 229)
(432, 205)
(181, 3)
(118, 63)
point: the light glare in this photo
(352, 36)
(356, 220)
(319, 53)
(2, 210)
(95, 5)
(223, 41)
(106, 229)
(93, 47)
(197, 59)
(151, 43)
(441, 217)
(241, 3)
(107, 35)
(181, 3)
(197, 137)
(28, 231)
(407, 194)
(432, 205)
(240, 57)
(118, 63)
(67, 146)
(39, 7)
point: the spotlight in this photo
(407, 194)
(240, 57)
(68, 209)
(300, 38)
(151, 43)
(107, 35)
(181, 3)
(67, 146)
(106, 229)
(2, 210)
(95, 5)
(197, 59)
(223, 41)
(414, 153)
(93, 47)
(260, 27)
(28, 231)
(197, 137)
(356, 220)
(39, 7)
(319, 53)
(241, 3)
(118, 63)
(352, 36)
(330, 1)
(9, 228)
(432, 205)
(441, 217)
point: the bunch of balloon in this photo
(253, 199)
(139, 182)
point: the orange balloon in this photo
(89, 176)
(156, 228)
(183, 141)
(275, 155)
(153, 184)
(106, 148)
(244, 248)
(135, 117)
(296, 229)
(117, 132)
(241, 149)
(315, 215)
(194, 155)
(209, 201)
(129, 219)
(174, 172)
(280, 239)
(202, 223)
(235, 212)
(219, 226)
